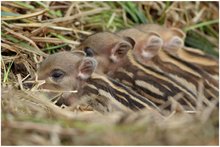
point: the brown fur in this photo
(173, 38)
(176, 47)
(69, 63)
(78, 74)
(105, 49)
(159, 58)
(124, 62)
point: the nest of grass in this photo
(30, 31)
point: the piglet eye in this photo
(57, 74)
(89, 52)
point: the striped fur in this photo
(148, 82)
(117, 93)
(155, 85)
(187, 74)
(152, 84)
(195, 71)
(200, 59)
(71, 78)
(189, 65)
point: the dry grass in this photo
(32, 30)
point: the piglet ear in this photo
(120, 50)
(175, 43)
(178, 32)
(154, 42)
(78, 53)
(151, 47)
(130, 40)
(86, 68)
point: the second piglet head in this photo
(109, 50)
(147, 44)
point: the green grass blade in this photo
(55, 47)
(59, 36)
(136, 15)
(58, 13)
(200, 25)
(22, 44)
(51, 12)
(6, 72)
(129, 11)
(163, 14)
(25, 5)
(195, 40)
(212, 32)
(140, 15)
(3, 13)
(10, 38)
